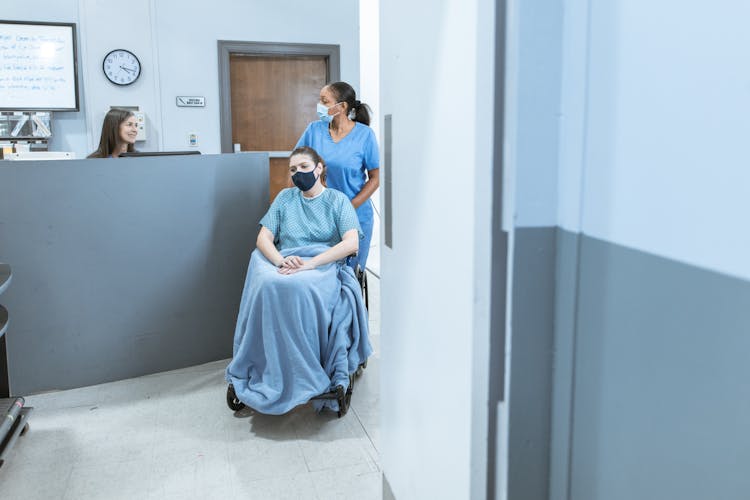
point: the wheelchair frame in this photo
(343, 397)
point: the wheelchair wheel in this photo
(362, 279)
(360, 369)
(349, 390)
(366, 291)
(342, 399)
(232, 401)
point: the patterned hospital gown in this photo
(296, 221)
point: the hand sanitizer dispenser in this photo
(141, 117)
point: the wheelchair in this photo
(341, 395)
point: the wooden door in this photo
(273, 99)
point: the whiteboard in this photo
(38, 69)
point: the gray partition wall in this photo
(660, 401)
(125, 267)
(628, 374)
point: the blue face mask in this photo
(323, 113)
(304, 180)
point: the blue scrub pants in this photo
(365, 216)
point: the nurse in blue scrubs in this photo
(343, 137)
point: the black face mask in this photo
(304, 180)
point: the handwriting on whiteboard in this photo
(37, 66)
(29, 62)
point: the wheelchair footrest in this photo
(341, 395)
(334, 394)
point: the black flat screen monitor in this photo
(136, 154)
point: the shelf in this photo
(5, 276)
(10, 432)
(3, 320)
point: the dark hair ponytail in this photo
(345, 93)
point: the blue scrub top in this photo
(347, 160)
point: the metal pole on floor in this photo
(13, 425)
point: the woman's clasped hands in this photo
(293, 264)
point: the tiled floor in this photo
(171, 436)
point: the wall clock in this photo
(121, 67)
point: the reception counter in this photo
(125, 267)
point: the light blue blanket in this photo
(297, 336)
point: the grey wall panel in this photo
(662, 399)
(387, 491)
(531, 363)
(388, 180)
(566, 289)
(125, 267)
(496, 387)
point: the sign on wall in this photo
(185, 101)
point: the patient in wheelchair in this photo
(302, 325)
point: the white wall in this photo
(666, 120)
(573, 92)
(436, 80)
(187, 31)
(369, 59)
(98, 37)
(369, 92)
(176, 42)
(535, 58)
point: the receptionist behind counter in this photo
(118, 134)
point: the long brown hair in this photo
(111, 133)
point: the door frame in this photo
(501, 276)
(229, 47)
